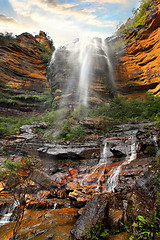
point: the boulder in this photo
(117, 153)
(96, 210)
(141, 201)
(70, 151)
(42, 179)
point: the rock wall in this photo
(21, 63)
(22, 71)
(138, 70)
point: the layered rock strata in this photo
(137, 71)
(22, 71)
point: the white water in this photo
(79, 60)
(104, 154)
(100, 168)
(110, 66)
(8, 213)
(102, 163)
(112, 181)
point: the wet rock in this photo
(71, 186)
(1, 186)
(147, 142)
(77, 151)
(141, 201)
(49, 204)
(44, 194)
(53, 170)
(42, 179)
(43, 204)
(117, 153)
(78, 198)
(96, 210)
(80, 211)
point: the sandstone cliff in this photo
(138, 70)
(23, 65)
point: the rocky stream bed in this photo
(75, 185)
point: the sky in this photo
(64, 20)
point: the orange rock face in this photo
(21, 64)
(138, 70)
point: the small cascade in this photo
(155, 140)
(104, 153)
(55, 205)
(7, 213)
(98, 170)
(112, 181)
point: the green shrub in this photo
(47, 53)
(121, 108)
(69, 132)
(139, 17)
(65, 130)
(12, 166)
(96, 232)
(77, 131)
(146, 228)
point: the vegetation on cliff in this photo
(138, 19)
(72, 123)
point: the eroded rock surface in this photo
(138, 69)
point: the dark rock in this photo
(141, 201)
(42, 179)
(117, 153)
(77, 151)
(12, 181)
(96, 210)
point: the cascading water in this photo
(112, 181)
(81, 71)
(97, 169)
(7, 213)
(105, 175)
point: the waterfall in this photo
(85, 60)
(80, 71)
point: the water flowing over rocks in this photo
(88, 175)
